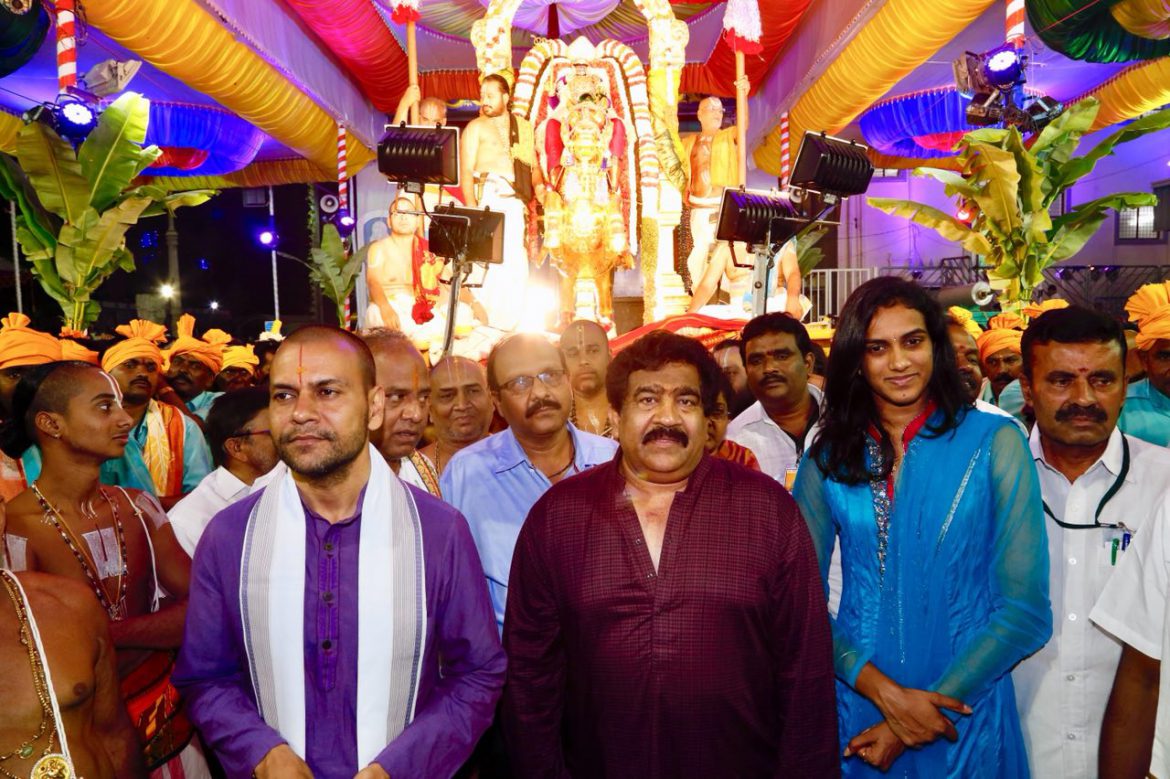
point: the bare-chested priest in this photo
(54, 639)
(495, 148)
(403, 276)
(115, 542)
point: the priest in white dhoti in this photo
(337, 624)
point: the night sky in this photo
(218, 260)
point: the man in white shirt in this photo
(778, 358)
(1135, 740)
(1099, 488)
(242, 450)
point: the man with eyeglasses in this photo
(495, 482)
(1099, 488)
(243, 452)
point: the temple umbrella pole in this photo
(16, 260)
(741, 118)
(412, 65)
(275, 279)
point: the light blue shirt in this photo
(130, 469)
(1011, 400)
(1146, 414)
(201, 403)
(493, 484)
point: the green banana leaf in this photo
(331, 269)
(15, 186)
(113, 154)
(1058, 140)
(103, 244)
(1078, 167)
(171, 201)
(997, 199)
(808, 255)
(53, 170)
(1031, 190)
(954, 183)
(944, 224)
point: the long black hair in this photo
(849, 408)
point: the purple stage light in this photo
(344, 222)
(267, 238)
(1004, 67)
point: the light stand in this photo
(826, 170)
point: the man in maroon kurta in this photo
(665, 614)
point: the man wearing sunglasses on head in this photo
(243, 452)
(495, 482)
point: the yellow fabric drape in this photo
(1131, 93)
(181, 39)
(899, 38)
(258, 174)
(1144, 18)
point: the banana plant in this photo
(75, 205)
(1008, 187)
(334, 271)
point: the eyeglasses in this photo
(523, 384)
(246, 433)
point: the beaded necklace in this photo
(50, 763)
(115, 607)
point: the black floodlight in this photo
(833, 166)
(467, 234)
(420, 155)
(756, 217)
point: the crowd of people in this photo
(941, 552)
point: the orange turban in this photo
(1148, 307)
(998, 339)
(71, 350)
(142, 340)
(210, 354)
(1033, 310)
(1153, 328)
(1006, 322)
(20, 345)
(963, 317)
(239, 357)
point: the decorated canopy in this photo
(253, 91)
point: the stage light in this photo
(214, 305)
(420, 155)
(965, 214)
(110, 76)
(267, 238)
(1003, 67)
(166, 291)
(344, 223)
(73, 118)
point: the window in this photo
(889, 173)
(1136, 225)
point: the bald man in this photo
(401, 372)
(585, 345)
(461, 408)
(374, 655)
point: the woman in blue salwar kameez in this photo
(937, 510)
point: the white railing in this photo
(828, 288)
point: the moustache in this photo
(181, 377)
(541, 405)
(323, 434)
(678, 435)
(1093, 413)
(772, 378)
(1006, 378)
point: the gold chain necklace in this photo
(115, 606)
(48, 762)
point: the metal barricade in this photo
(828, 288)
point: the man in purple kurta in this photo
(665, 615)
(436, 650)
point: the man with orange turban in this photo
(999, 352)
(239, 368)
(1147, 403)
(21, 348)
(71, 349)
(194, 364)
(167, 454)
